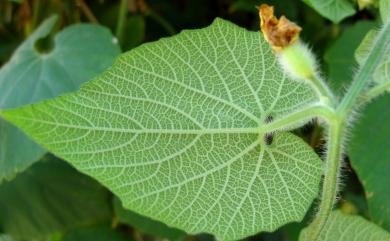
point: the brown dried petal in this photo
(280, 33)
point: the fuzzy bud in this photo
(298, 61)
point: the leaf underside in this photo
(173, 129)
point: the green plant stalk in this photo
(298, 117)
(337, 127)
(322, 90)
(381, 46)
(121, 20)
(330, 181)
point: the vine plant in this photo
(192, 130)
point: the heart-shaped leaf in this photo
(80, 52)
(176, 130)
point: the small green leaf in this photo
(48, 197)
(370, 156)
(343, 227)
(382, 73)
(340, 55)
(80, 52)
(145, 224)
(96, 233)
(174, 129)
(334, 10)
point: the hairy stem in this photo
(380, 49)
(329, 187)
(337, 128)
(323, 91)
(296, 119)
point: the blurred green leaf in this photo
(384, 8)
(382, 72)
(48, 197)
(370, 156)
(343, 227)
(339, 57)
(96, 233)
(80, 53)
(334, 10)
(144, 224)
(5, 238)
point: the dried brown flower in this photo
(280, 33)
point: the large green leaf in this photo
(174, 130)
(80, 53)
(340, 55)
(50, 196)
(335, 10)
(96, 233)
(370, 156)
(145, 224)
(343, 227)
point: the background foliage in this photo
(43, 198)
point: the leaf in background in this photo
(370, 156)
(96, 233)
(5, 238)
(382, 72)
(384, 9)
(144, 224)
(174, 130)
(339, 57)
(48, 197)
(334, 10)
(345, 227)
(80, 53)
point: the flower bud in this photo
(283, 36)
(298, 61)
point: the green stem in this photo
(296, 119)
(331, 172)
(337, 127)
(323, 91)
(121, 20)
(380, 49)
